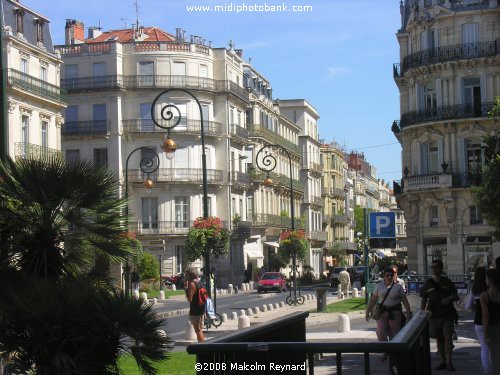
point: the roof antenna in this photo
(136, 5)
(125, 22)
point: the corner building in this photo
(448, 76)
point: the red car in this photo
(272, 281)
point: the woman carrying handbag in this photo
(387, 299)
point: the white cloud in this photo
(338, 71)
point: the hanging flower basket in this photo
(293, 243)
(206, 235)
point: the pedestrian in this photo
(497, 263)
(135, 279)
(490, 308)
(196, 312)
(389, 296)
(473, 300)
(396, 278)
(345, 280)
(438, 294)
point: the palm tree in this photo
(57, 316)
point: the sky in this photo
(338, 56)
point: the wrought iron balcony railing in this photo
(179, 227)
(30, 150)
(315, 167)
(189, 175)
(35, 86)
(164, 81)
(239, 133)
(318, 235)
(92, 83)
(276, 221)
(186, 126)
(340, 219)
(317, 201)
(447, 53)
(262, 132)
(85, 128)
(278, 179)
(240, 178)
(464, 180)
(450, 112)
(336, 192)
(342, 245)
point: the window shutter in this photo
(461, 155)
(424, 148)
(440, 154)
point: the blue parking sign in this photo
(382, 225)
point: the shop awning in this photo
(253, 251)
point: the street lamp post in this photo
(147, 166)
(269, 163)
(464, 241)
(167, 113)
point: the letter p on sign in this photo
(382, 225)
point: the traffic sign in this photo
(382, 225)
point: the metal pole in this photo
(367, 259)
(292, 212)
(4, 123)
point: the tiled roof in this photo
(152, 34)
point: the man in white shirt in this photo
(397, 279)
(345, 281)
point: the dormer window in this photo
(39, 29)
(19, 20)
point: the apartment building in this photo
(112, 79)
(32, 72)
(447, 76)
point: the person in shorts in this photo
(438, 294)
(196, 312)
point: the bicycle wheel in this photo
(216, 320)
(289, 300)
(300, 300)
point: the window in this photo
(39, 29)
(474, 162)
(436, 252)
(149, 213)
(179, 259)
(475, 215)
(24, 65)
(433, 216)
(70, 71)
(99, 74)
(470, 33)
(182, 212)
(71, 121)
(179, 73)
(44, 126)
(99, 117)
(72, 156)
(430, 98)
(250, 208)
(146, 123)
(25, 129)
(432, 158)
(19, 20)
(146, 73)
(43, 73)
(100, 157)
(472, 95)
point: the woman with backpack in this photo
(490, 309)
(196, 312)
(479, 286)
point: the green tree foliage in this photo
(338, 253)
(148, 266)
(58, 316)
(206, 235)
(488, 193)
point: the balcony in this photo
(316, 201)
(427, 182)
(71, 50)
(32, 151)
(447, 53)
(278, 179)
(342, 245)
(181, 175)
(374, 193)
(327, 219)
(450, 112)
(92, 83)
(316, 168)
(169, 81)
(239, 134)
(76, 129)
(260, 131)
(341, 219)
(186, 126)
(162, 227)
(35, 86)
(269, 220)
(334, 192)
(318, 235)
(240, 179)
(232, 88)
(465, 180)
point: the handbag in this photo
(379, 307)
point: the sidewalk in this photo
(466, 354)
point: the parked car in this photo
(272, 281)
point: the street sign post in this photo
(382, 230)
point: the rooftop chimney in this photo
(74, 32)
(94, 32)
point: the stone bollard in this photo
(144, 296)
(242, 312)
(190, 333)
(243, 322)
(249, 311)
(344, 323)
(276, 306)
(230, 289)
(161, 332)
(270, 307)
(264, 308)
(363, 291)
(341, 295)
(155, 301)
(251, 283)
(162, 295)
(355, 292)
(256, 310)
(243, 287)
(234, 315)
(224, 317)
(174, 287)
(339, 290)
(282, 304)
(313, 297)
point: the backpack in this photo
(202, 295)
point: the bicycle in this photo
(213, 319)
